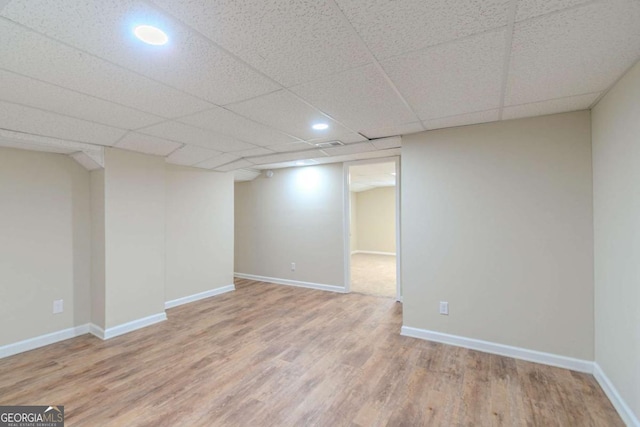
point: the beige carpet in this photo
(373, 274)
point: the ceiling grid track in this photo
(375, 61)
(251, 67)
(241, 84)
(107, 61)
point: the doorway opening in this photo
(372, 224)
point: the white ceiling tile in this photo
(235, 165)
(54, 145)
(180, 132)
(190, 155)
(292, 41)
(391, 27)
(230, 123)
(216, 161)
(245, 175)
(359, 156)
(578, 51)
(286, 157)
(87, 162)
(361, 98)
(452, 79)
(291, 164)
(387, 180)
(284, 111)
(463, 119)
(359, 147)
(530, 8)
(148, 144)
(384, 143)
(380, 154)
(373, 170)
(34, 93)
(357, 187)
(30, 120)
(260, 151)
(399, 129)
(294, 146)
(562, 105)
(32, 146)
(347, 138)
(104, 28)
(64, 66)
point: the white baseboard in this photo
(126, 327)
(42, 340)
(501, 349)
(373, 253)
(310, 285)
(618, 402)
(96, 330)
(199, 296)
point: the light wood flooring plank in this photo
(273, 355)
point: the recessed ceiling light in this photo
(320, 126)
(151, 35)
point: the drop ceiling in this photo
(372, 175)
(241, 81)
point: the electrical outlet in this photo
(293, 266)
(444, 307)
(58, 306)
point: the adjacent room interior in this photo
(200, 225)
(373, 229)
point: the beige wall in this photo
(376, 220)
(44, 243)
(295, 216)
(497, 220)
(353, 215)
(97, 249)
(134, 236)
(199, 231)
(616, 184)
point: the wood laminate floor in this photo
(270, 355)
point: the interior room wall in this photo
(376, 220)
(134, 236)
(295, 216)
(45, 251)
(97, 249)
(353, 225)
(497, 220)
(199, 231)
(616, 184)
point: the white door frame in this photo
(347, 223)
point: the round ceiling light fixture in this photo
(320, 126)
(151, 35)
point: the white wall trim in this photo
(42, 340)
(501, 349)
(127, 327)
(618, 402)
(373, 253)
(96, 330)
(287, 282)
(196, 297)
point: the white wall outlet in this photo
(444, 307)
(293, 266)
(58, 306)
